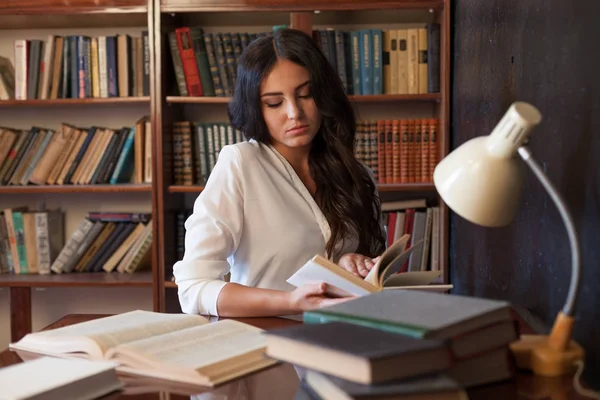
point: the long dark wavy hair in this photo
(345, 193)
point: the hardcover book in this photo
(175, 347)
(368, 355)
(383, 275)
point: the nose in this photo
(294, 111)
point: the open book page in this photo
(341, 283)
(201, 350)
(412, 279)
(392, 252)
(396, 264)
(95, 337)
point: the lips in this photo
(297, 130)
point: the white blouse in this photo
(255, 219)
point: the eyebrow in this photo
(280, 93)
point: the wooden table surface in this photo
(281, 382)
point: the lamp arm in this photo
(569, 307)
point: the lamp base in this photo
(549, 355)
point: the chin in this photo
(297, 142)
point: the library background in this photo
(114, 112)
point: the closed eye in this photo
(273, 105)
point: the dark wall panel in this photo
(546, 53)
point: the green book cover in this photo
(415, 313)
(20, 239)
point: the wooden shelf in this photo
(197, 100)
(124, 188)
(383, 98)
(173, 6)
(71, 102)
(185, 189)
(170, 285)
(72, 7)
(383, 187)
(391, 98)
(405, 187)
(78, 279)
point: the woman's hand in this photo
(310, 297)
(357, 264)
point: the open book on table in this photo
(384, 274)
(175, 347)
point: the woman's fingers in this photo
(361, 266)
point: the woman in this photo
(293, 190)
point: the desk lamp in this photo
(481, 181)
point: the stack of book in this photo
(400, 343)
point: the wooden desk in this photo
(281, 382)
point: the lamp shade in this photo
(482, 179)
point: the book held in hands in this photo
(383, 276)
(175, 347)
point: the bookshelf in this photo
(36, 20)
(260, 16)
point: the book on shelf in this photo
(79, 67)
(196, 147)
(30, 239)
(368, 61)
(422, 224)
(55, 378)
(7, 79)
(383, 275)
(175, 347)
(399, 150)
(107, 241)
(33, 242)
(205, 63)
(369, 356)
(78, 156)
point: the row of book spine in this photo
(73, 155)
(30, 239)
(420, 224)
(399, 151)
(196, 147)
(205, 64)
(390, 61)
(79, 66)
(33, 242)
(107, 241)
